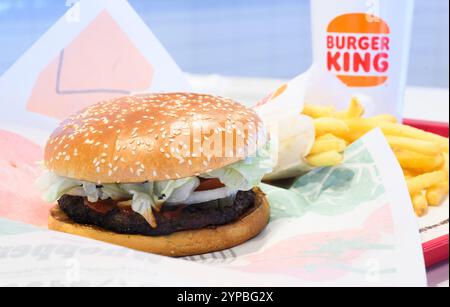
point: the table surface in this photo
(420, 103)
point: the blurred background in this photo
(248, 38)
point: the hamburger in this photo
(173, 174)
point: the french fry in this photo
(329, 158)
(388, 118)
(419, 163)
(355, 110)
(328, 145)
(318, 111)
(326, 125)
(420, 204)
(407, 131)
(445, 167)
(357, 128)
(437, 194)
(419, 146)
(360, 126)
(328, 137)
(425, 181)
(408, 174)
(424, 156)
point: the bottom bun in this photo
(178, 244)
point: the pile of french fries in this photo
(423, 156)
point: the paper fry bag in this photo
(292, 134)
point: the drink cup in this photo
(361, 48)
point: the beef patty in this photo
(107, 215)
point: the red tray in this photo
(436, 250)
(434, 127)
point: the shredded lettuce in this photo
(153, 194)
(184, 191)
(205, 196)
(54, 186)
(114, 191)
(92, 193)
(247, 174)
(241, 176)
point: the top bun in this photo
(153, 138)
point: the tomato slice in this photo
(209, 184)
(102, 206)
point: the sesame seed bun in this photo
(178, 244)
(152, 138)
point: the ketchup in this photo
(101, 206)
(209, 184)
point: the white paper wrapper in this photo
(292, 133)
(350, 225)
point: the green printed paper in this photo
(325, 190)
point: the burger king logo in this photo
(358, 47)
